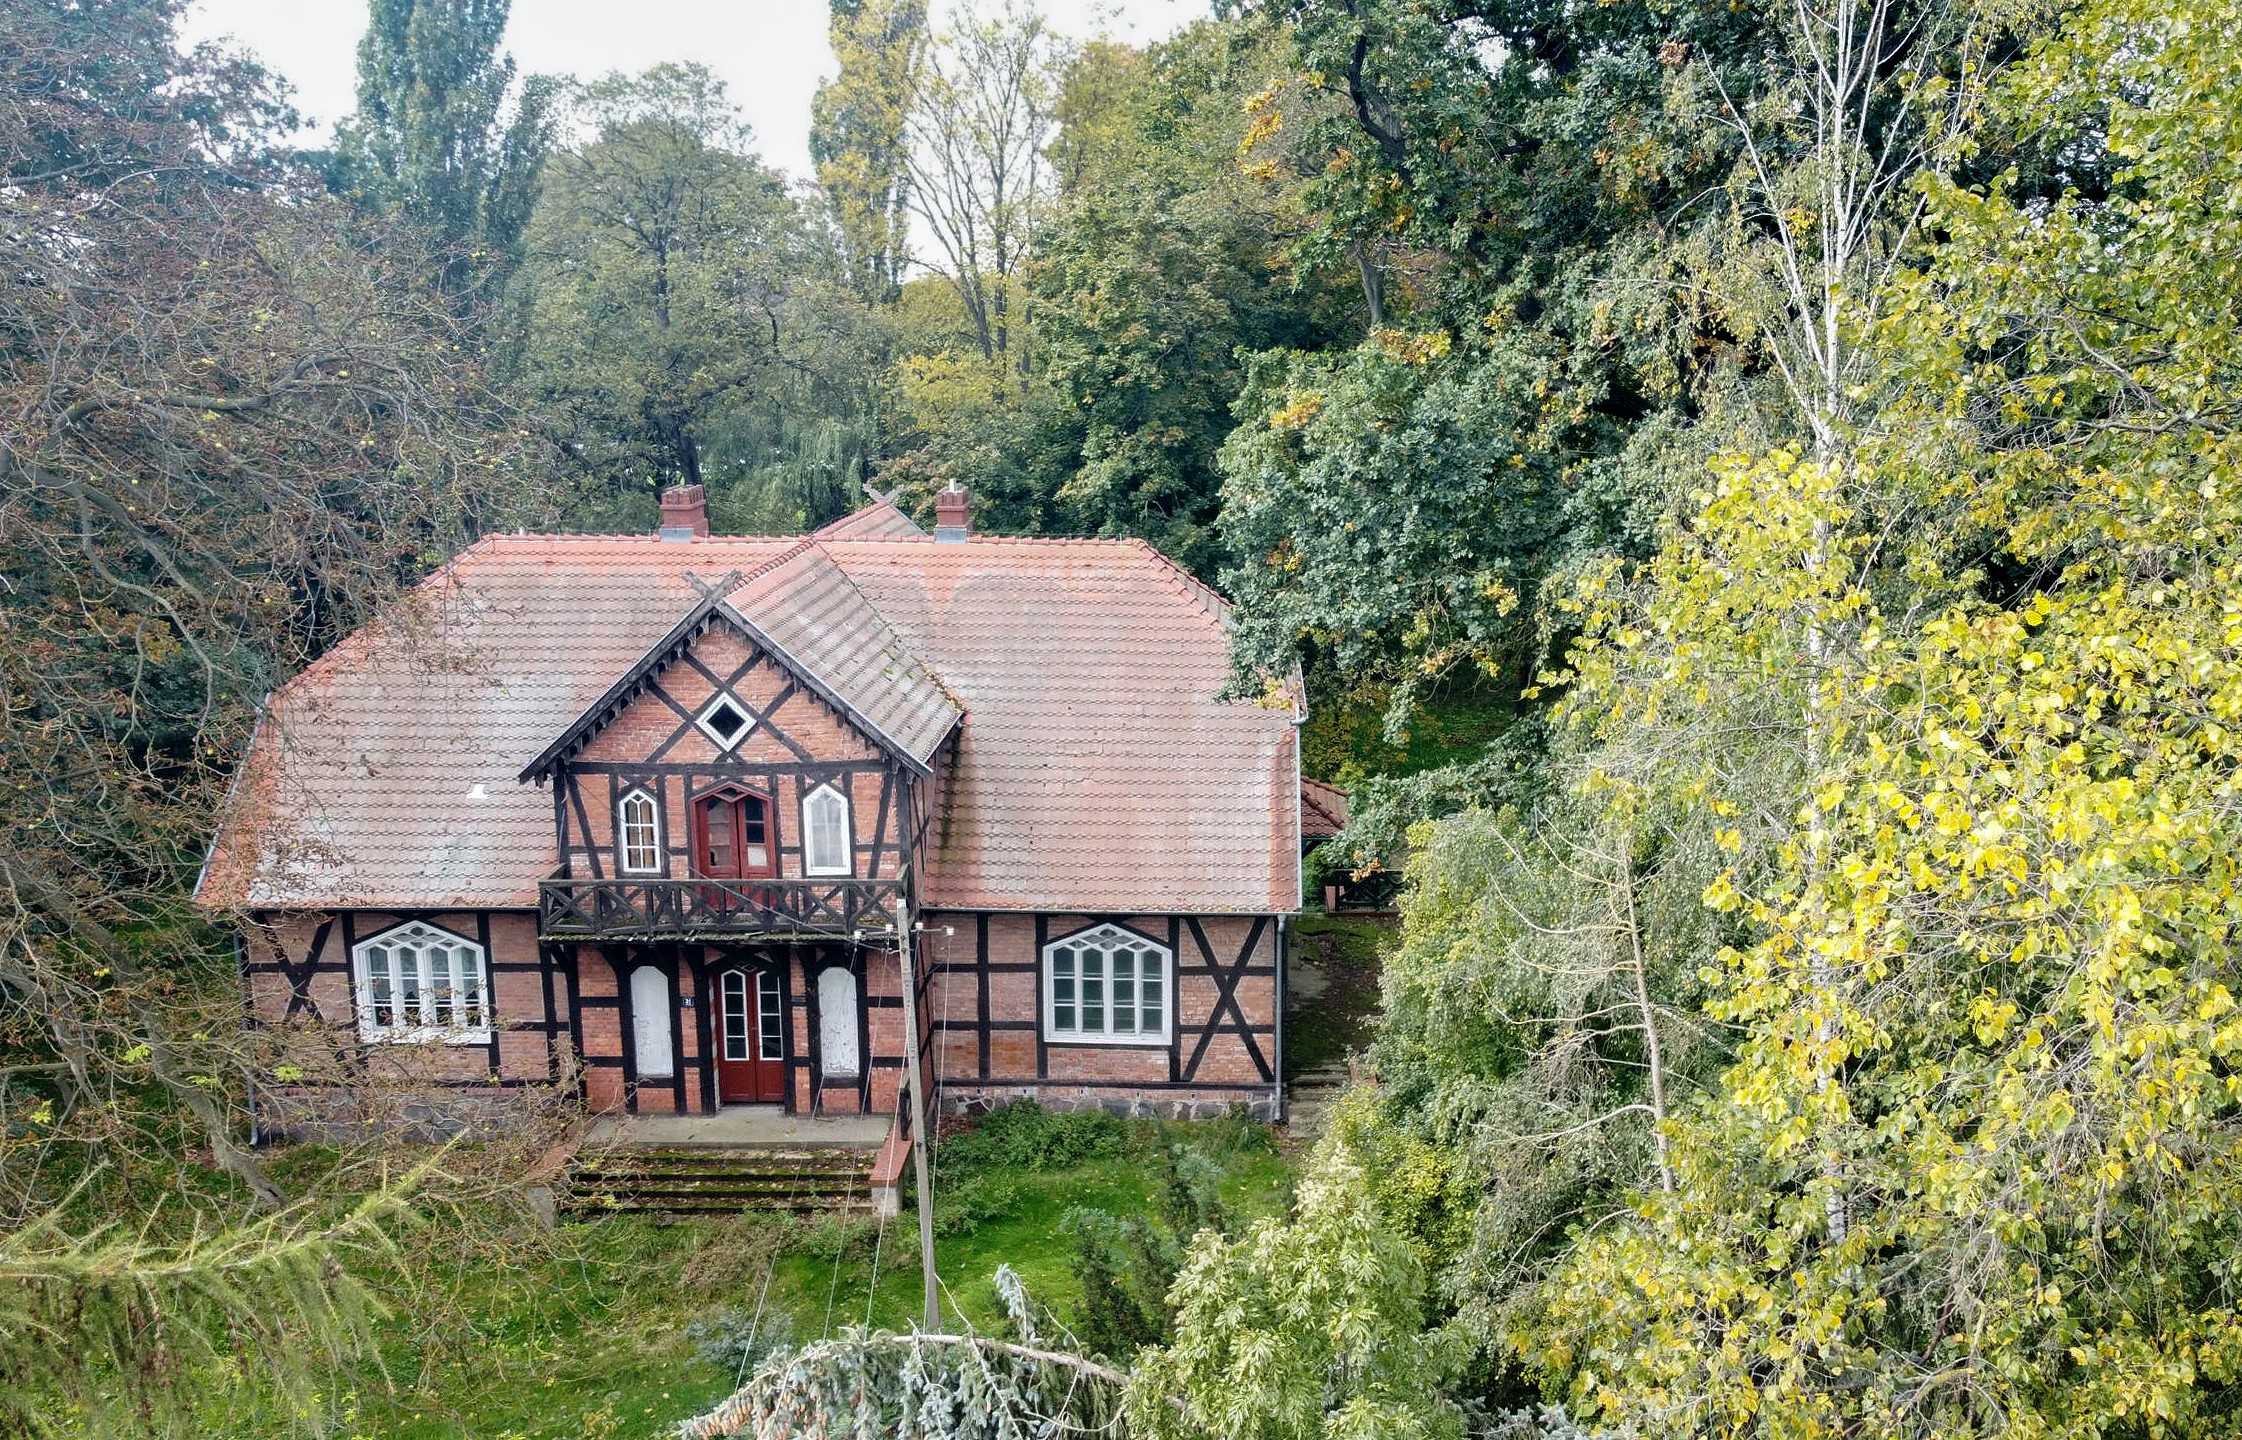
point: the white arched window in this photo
(419, 983)
(836, 1021)
(638, 834)
(1107, 985)
(825, 832)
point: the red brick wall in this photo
(612, 1081)
(303, 1007)
(997, 954)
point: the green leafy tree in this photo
(1973, 1170)
(684, 318)
(1306, 1327)
(1161, 268)
(1518, 197)
(859, 131)
(433, 135)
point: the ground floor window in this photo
(1106, 984)
(419, 983)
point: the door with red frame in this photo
(750, 1037)
(732, 840)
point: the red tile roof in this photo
(807, 609)
(1096, 771)
(1323, 809)
(880, 520)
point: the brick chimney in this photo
(684, 513)
(952, 511)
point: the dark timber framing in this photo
(712, 609)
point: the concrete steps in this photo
(718, 1179)
(1309, 1098)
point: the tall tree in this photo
(234, 421)
(433, 136)
(859, 137)
(980, 119)
(1162, 264)
(684, 316)
(1516, 193)
(1973, 1172)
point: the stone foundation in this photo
(337, 1114)
(1262, 1107)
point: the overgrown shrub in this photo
(1025, 1136)
(1127, 1263)
(973, 1201)
(850, 1237)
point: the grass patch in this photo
(1018, 1175)
(605, 1327)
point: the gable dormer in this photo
(779, 732)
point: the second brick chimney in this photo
(952, 513)
(684, 513)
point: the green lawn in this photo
(1029, 1204)
(581, 1331)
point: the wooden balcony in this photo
(641, 909)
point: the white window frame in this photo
(812, 862)
(735, 1017)
(623, 827)
(770, 1016)
(423, 947)
(715, 702)
(1107, 941)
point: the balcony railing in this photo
(628, 909)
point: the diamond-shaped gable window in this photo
(725, 721)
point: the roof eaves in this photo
(233, 793)
(1204, 596)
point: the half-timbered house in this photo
(640, 816)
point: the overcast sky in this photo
(771, 53)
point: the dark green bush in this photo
(1025, 1136)
(973, 1201)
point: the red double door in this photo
(750, 1036)
(732, 841)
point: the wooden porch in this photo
(570, 908)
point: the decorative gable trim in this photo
(710, 610)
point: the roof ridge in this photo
(802, 543)
(635, 537)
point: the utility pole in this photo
(919, 1136)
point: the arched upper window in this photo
(826, 841)
(419, 983)
(1108, 985)
(638, 834)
